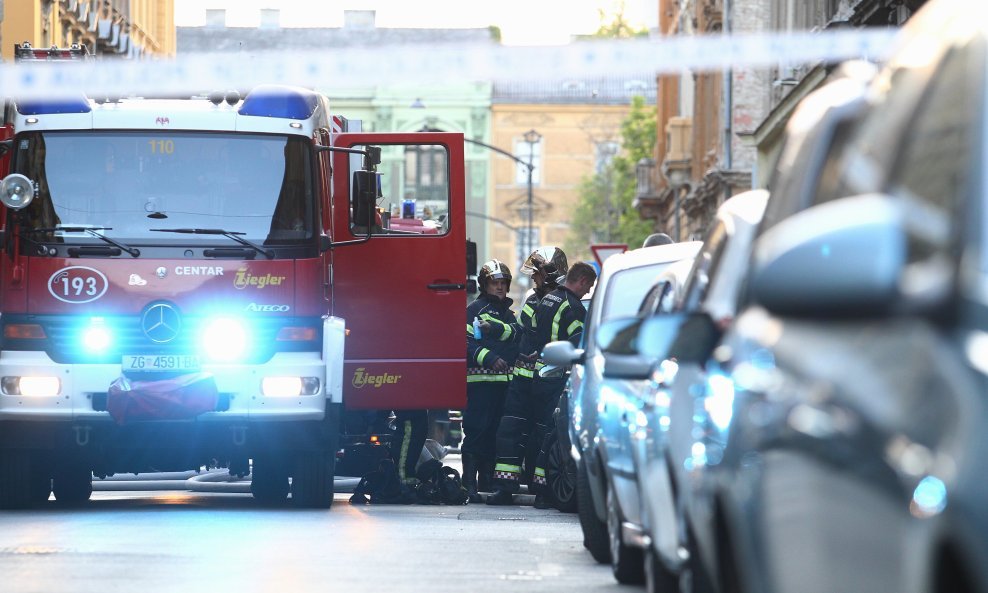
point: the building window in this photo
(525, 244)
(524, 151)
(604, 153)
(425, 172)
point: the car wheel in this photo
(268, 481)
(72, 484)
(312, 482)
(627, 562)
(594, 530)
(658, 578)
(15, 480)
(560, 475)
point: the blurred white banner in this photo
(418, 64)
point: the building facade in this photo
(720, 132)
(125, 28)
(575, 128)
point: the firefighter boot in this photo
(500, 496)
(470, 467)
(485, 479)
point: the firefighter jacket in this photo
(559, 316)
(525, 365)
(501, 341)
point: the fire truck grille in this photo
(66, 339)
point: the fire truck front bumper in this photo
(290, 387)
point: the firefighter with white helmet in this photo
(492, 345)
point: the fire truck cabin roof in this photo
(267, 109)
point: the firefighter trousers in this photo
(485, 404)
(524, 424)
(411, 427)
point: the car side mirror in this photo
(850, 257)
(562, 353)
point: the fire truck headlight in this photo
(96, 338)
(16, 191)
(31, 386)
(226, 339)
(289, 386)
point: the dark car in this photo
(842, 443)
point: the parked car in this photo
(661, 419)
(622, 284)
(842, 445)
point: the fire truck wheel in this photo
(72, 485)
(15, 480)
(40, 479)
(269, 482)
(312, 483)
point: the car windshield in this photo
(131, 183)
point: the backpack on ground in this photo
(382, 486)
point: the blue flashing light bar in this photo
(74, 105)
(280, 101)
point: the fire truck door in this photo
(403, 292)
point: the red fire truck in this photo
(215, 282)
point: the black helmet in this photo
(550, 260)
(493, 270)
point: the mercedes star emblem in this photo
(161, 323)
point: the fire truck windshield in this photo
(131, 183)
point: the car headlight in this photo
(226, 339)
(31, 386)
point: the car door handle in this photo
(446, 286)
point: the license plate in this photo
(161, 362)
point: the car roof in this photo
(650, 255)
(642, 257)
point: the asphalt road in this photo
(173, 540)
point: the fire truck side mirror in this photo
(325, 243)
(363, 199)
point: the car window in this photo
(705, 266)
(626, 289)
(898, 91)
(653, 299)
(934, 164)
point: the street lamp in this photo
(532, 138)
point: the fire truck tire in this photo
(269, 482)
(40, 480)
(312, 483)
(15, 479)
(72, 484)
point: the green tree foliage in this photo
(604, 213)
(615, 25)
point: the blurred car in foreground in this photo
(842, 446)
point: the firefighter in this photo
(547, 266)
(559, 316)
(411, 427)
(492, 345)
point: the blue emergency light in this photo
(280, 101)
(71, 105)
